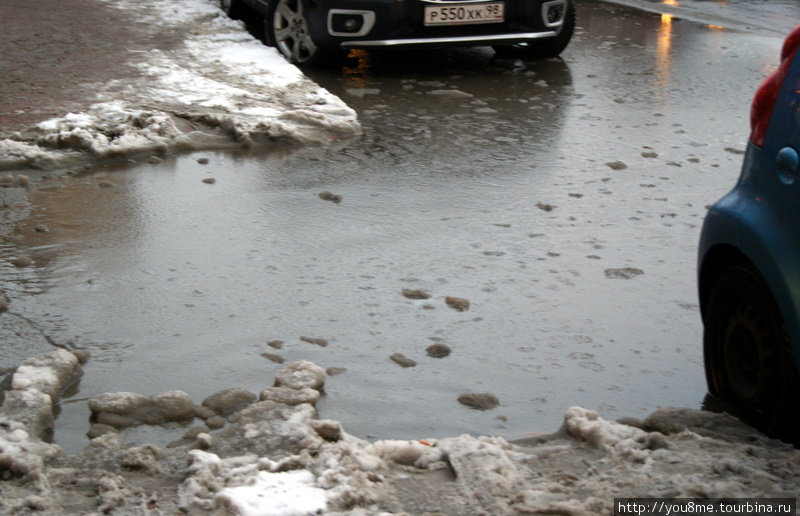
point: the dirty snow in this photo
(270, 458)
(219, 87)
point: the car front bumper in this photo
(400, 23)
(486, 39)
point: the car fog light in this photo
(555, 13)
(349, 22)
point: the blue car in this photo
(749, 265)
(303, 29)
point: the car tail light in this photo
(767, 93)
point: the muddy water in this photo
(562, 199)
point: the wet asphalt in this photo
(561, 198)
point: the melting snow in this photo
(276, 494)
(220, 86)
(270, 458)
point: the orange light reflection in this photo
(357, 74)
(663, 53)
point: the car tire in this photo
(747, 352)
(551, 47)
(286, 28)
(233, 8)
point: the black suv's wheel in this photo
(748, 358)
(551, 47)
(232, 8)
(286, 29)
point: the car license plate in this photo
(464, 14)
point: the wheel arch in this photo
(727, 241)
(714, 261)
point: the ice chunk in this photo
(275, 494)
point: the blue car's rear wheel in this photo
(286, 29)
(747, 353)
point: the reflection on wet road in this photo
(562, 198)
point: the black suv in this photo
(300, 29)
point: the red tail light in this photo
(767, 93)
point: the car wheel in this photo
(232, 8)
(286, 28)
(748, 358)
(551, 47)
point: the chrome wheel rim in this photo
(290, 30)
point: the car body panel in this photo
(760, 218)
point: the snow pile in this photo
(110, 128)
(614, 439)
(219, 86)
(27, 416)
(278, 494)
(265, 457)
(124, 409)
(49, 374)
(677, 453)
(36, 386)
(22, 454)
